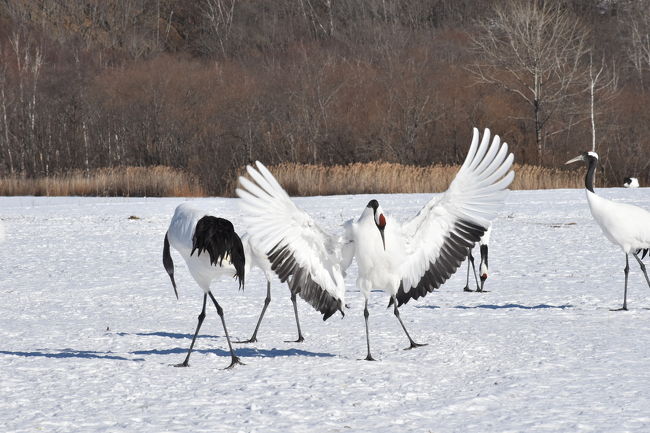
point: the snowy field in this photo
(89, 326)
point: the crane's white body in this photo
(211, 249)
(255, 258)
(385, 269)
(379, 268)
(180, 233)
(625, 225)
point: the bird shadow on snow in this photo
(241, 351)
(165, 334)
(522, 307)
(70, 353)
(501, 307)
(246, 352)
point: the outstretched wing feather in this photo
(439, 235)
(300, 252)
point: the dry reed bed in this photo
(156, 181)
(383, 177)
(297, 179)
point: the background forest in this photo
(206, 86)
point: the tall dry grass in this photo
(156, 181)
(384, 177)
(297, 179)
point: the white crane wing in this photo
(300, 252)
(437, 238)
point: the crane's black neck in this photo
(592, 162)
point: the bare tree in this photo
(5, 122)
(601, 84)
(28, 63)
(219, 15)
(638, 47)
(534, 50)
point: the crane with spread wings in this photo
(406, 260)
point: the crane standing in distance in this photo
(631, 182)
(623, 224)
(483, 265)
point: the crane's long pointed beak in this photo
(576, 159)
(383, 239)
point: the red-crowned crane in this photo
(211, 249)
(483, 265)
(631, 182)
(623, 224)
(405, 260)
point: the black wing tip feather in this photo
(285, 266)
(315, 295)
(218, 238)
(453, 251)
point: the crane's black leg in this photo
(267, 301)
(235, 359)
(478, 289)
(365, 315)
(470, 262)
(627, 271)
(642, 268)
(295, 312)
(413, 343)
(198, 326)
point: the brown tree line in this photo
(209, 85)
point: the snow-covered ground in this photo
(89, 326)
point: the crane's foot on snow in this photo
(235, 361)
(414, 345)
(182, 364)
(467, 289)
(299, 340)
(368, 358)
(618, 309)
(250, 340)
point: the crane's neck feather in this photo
(591, 172)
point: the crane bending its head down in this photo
(211, 248)
(484, 243)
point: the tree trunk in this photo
(538, 132)
(6, 129)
